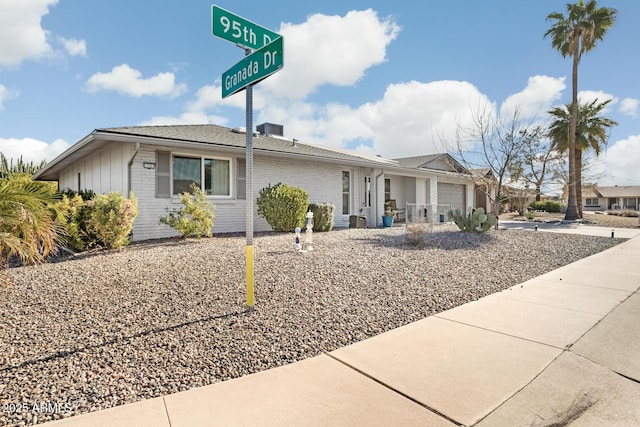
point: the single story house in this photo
(601, 198)
(156, 163)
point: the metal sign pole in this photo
(249, 252)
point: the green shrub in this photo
(84, 194)
(72, 214)
(283, 206)
(195, 217)
(111, 218)
(547, 206)
(624, 212)
(322, 216)
(477, 222)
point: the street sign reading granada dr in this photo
(253, 68)
(236, 29)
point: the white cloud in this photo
(535, 99)
(31, 149)
(74, 47)
(6, 94)
(128, 81)
(629, 106)
(422, 118)
(333, 50)
(620, 162)
(21, 31)
(587, 96)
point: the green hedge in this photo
(322, 216)
(283, 206)
(547, 206)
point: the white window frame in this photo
(342, 192)
(367, 192)
(202, 183)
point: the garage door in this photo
(452, 194)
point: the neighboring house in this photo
(158, 162)
(486, 188)
(600, 198)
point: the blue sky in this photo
(390, 78)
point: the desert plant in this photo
(416, 232)
(195, 217)
(72, 214)
(111, 218)
(27, 227)
(477, 222)
(283, 206)
(322, 216)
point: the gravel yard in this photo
(109, 328)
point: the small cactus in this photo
(477, 222)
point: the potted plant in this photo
(389, 214)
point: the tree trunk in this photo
(572, 205)
(579, 180)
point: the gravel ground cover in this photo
(105, 329)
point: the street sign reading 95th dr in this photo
(236, 29)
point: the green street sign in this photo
(253, 68)
(238, 30)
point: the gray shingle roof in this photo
(222, 136)
(619, 191)
(440, 161)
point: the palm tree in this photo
(27, 227)
(592, 132)
(573, 35)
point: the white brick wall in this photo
(322, 182)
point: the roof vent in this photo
(269, 129)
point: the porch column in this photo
(377, 196)
(432, 198)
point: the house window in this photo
(591, 201)
(163, 174)
(387, 189)
(346, 192)
(631, 203)
(241, 179)
(367, 191)
(216, 177)
(190, 170)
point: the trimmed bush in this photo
(195, 217)
(72, 214)
(111, 218)
(283, 206)
(624, 212)
(547, 206)
(322, 216)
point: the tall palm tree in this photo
(573, 35)
(592, 132)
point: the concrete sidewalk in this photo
(570, 228)
(558, 349)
